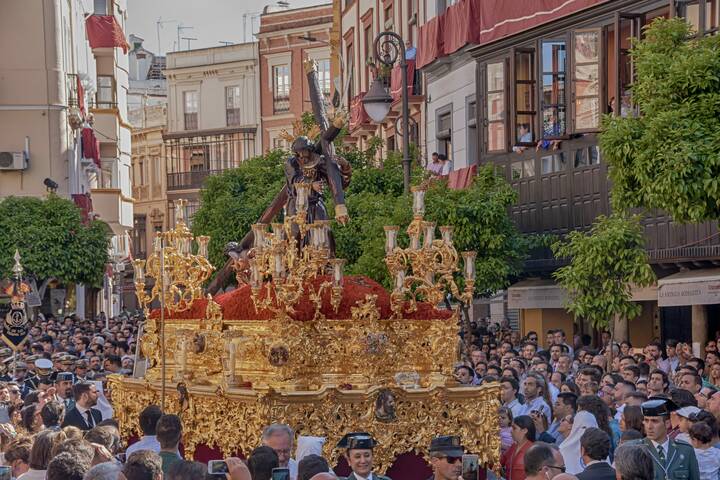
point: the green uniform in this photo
(680, 461)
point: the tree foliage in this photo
(232, 201)
(52, 240)
(605, 263)
(669, 157)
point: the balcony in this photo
(189, 180)
(113, 208)
(281, 104)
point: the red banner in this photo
(430, 41)
(358, 115)
(90, 146)
(104, 31)
(396, 80)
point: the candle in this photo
(400, 281)
(203, 245)
(337, 266)
(180, 211)
(323, 227)
(254, 273)
(469, 264)
(446, 232)
(415, 241)
(279, 267)
(302, 191)
(429, 233)
(259, 230)
(418, 194)
(139, 271)
(157, 246)
(279, 231)
(231, 367)
(391, 233)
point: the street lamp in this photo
(390, 48)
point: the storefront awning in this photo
(536, 293)
(692, 287)
(545, 293)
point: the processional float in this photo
(299, 342)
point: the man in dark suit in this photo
(82, 415)
(673, 459)
(595, 448)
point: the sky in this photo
(212, 21)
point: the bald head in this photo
(565, 476)
(325, 476)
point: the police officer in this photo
(63, 389)
(5, 358)
(673, 459)
(446, 454)
(359, 455)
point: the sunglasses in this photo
(452, 460)
(557, 467)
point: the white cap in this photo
(685, 412)
(43, 364)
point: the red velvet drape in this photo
(90, 145)
(396, 80)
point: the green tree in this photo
(604, 263)
(232, 201)
(669, 157)
(52, 240)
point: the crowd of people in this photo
(592, 411)
(570, 410)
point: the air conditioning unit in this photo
(13, 161)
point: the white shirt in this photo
(293, 467)
(665, 447)
(33, 475)
(538, 403)
(83, 414)
(147, 442)
(516, 408)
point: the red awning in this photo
(91, 146)
(462, 178)
(358, 115)
(462, 25)
(104, 31)
(81, 96)
(396, 79)
(502, 19)
(430, 41)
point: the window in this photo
(522, 169)
(196, 158)
(105, 96)
(350, 72)
(525, 112)
(232, 105)
(442, 5)
(472, 140)
(280, 143)
(388, 17)
(190, 100)
(495, 108)
(587, 156)
(586, 80)
(369, 54)
(444, 131)
(703, 15)
(139, 236)
(323, 73)
(627, 26)
(100, 7)
(281, 88)
(554, 59)
(552, 163)
(412, 21)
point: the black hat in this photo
(658, 407)
(361, 442)
(448, 445)
(343, 443)
(64, 377)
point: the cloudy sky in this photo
(213, 21)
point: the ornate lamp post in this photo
(389, 49)
(178, 273)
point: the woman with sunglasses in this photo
(523, 435)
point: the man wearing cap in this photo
(673, 459)
(446, 457)
(359, 456)
(81, 370)
(63, 390)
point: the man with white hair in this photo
(104, 471)
(280, 437)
